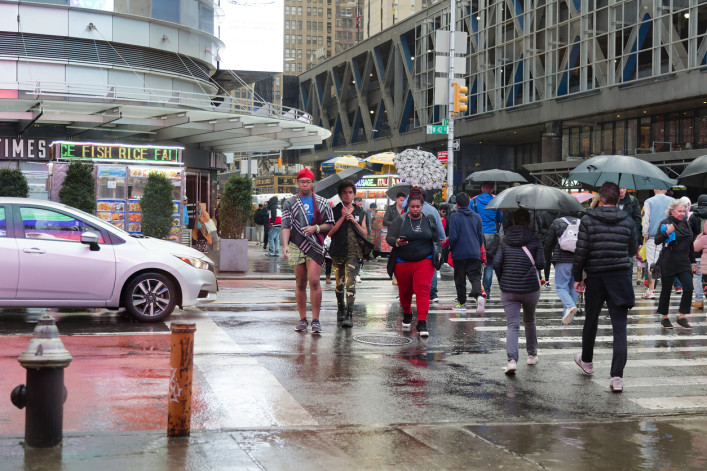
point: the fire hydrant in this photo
(44, 359)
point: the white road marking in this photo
(656, 325)
(250, 395)
(607, 338)
(652, 363)
(667, 403)
(631, 351)
(648, 382)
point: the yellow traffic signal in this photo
(279, 162)
(444, 193)
(460, 98)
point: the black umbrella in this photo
(624, 170)
(535, 197)
(496, 175)
(695, 174)
(402, 187)
(326, 188)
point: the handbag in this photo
(210, 226)
(532, 260)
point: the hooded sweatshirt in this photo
(605, 243)
(489, 217)
(465, 234)
(514, 270)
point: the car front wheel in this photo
(150, 297)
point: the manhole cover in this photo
(385, 340)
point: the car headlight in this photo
(196, 262)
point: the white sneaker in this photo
(649, 294)
(358, 279)
(439, 276)
(616, 384)
(569, 315)
(480, 305)
(511, 368)
(532, 360)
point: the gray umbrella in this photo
(496, 175)
(626, 171)
(326, 188)
(535, 197)
(402, 187)
(695, 174)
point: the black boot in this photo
(348, 318)
(341, 307)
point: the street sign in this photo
(436, 129)
(445, 122)
(442, 156)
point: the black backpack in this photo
(260, 217)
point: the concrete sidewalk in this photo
(649, 443)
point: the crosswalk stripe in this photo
(655, 325)
(652, 362)
(631, 350)
(647, 382)
(607, 338)
(666, 403)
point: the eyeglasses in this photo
(305, 182)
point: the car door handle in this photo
(34, 250)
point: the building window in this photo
(299, 53)
(299, 39)
(299, 67)
(167, 10)
(287, 25)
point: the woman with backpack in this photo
(559, 249)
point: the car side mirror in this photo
(90, 239)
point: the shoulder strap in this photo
(532, 260)
(565, 219)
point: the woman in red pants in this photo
(415, 240)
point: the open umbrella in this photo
(535, 197)
(382, 163)
(326, 188)
(496, 175)
(402, 187)
(582, 196)
(695, 174)
(420, 168)
(626, 171)
(346, 161)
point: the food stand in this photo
(372, 188)
(121, 173)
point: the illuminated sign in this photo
(118, 152)
(24, 149)
(377, 182)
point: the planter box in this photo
(233, 255)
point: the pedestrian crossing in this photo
(666, 369)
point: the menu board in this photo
(112, 211)
(134, 217)
(176, 222)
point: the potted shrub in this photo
(157, 206)
(78, 189)
(13, 183)
(234, 215)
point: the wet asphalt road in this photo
(253, 369)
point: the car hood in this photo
(171, 248)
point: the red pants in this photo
(415, 278)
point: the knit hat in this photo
(305, 173)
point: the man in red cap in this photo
(306, 219)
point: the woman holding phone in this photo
(416, 245)
(676, 260)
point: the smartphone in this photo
(402, 237)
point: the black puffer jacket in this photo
(699, 214)
(552, 242)
(513, 268)
(679, 254)
(606, 242)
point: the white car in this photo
(53, 255)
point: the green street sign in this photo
(445, 122)
(436, 129)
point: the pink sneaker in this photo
(586, 367)
(617, 384)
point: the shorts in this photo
(297, 256)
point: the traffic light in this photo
(460, 98)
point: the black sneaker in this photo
(302, 325)
(407, 320)
(682, 322)
(340, 313)
(422, 329)
(348, 319)
(666, 323)
(316, 326)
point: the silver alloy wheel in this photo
(150, 297)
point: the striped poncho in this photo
(294, 217)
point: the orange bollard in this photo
(181, 363)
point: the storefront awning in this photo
(123, 114)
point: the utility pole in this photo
(450, 101)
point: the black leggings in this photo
(685, 278)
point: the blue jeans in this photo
(433, 286)
(274, 240)
(564, 285)
(488, 276)
(697, 284)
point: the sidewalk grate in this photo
(384, 340)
